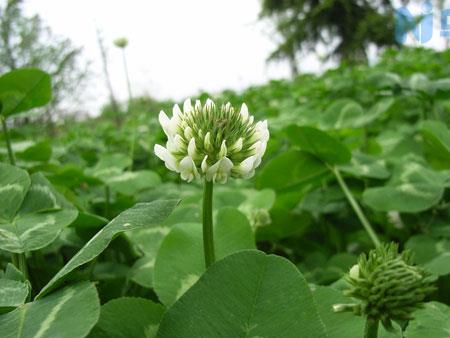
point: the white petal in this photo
(212, 171)
(207, 141)
(174, 121)
(221, 178)
(169, 125)
(259, 147)
(245, 166)
(192, 149)
(174, 144)
(262, 131)
(186, 164)
(187, 106)
(223, 150)
(261, 125)
(163, 118)
(176, 110)
(220, 171)
(354, 271)
(224, 170)
(249, 174)
(188, 170)
(188, 133)
(256, 146)
(265, 124)
(166, 156)
(257, 162)
(209, 104)
(198, 105)
(204, 165)
(237, 146)
(225, 165)
(264, 136)
(263, 148)
(244, 112)
(160, 151)
(187, 176)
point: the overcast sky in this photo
(177, 47)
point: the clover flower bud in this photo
(388, 285)
(258, 217)
(121, 42)
(212, 142)
(354, 271)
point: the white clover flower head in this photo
(212, 142)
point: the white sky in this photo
(177, 47)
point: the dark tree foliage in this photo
(345, 27)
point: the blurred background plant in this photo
(26, 42)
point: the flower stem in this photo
(8, 141)
(208, 236)
(22, 264)
(125, 67)
(15, 259)
(18, 259)
(130, 98)
(371, 328)
(356, 208)
(132, 145)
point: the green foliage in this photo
(128, 317)
(179, 262)
(319, 144)
(260, 295)
(141, 215)
(431, 321)
(436, 136)
(366, 166)
(14, 288)
(381, 131)
(23, 89)
(36, 213)
(290, 169)
(412, 188)
(59, 312)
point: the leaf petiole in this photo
(356, 208)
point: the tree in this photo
(345, 27)
(27, 42)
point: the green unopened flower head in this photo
(212, 142)
(121, 42)
(388, 285)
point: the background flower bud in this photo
(388, 284)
